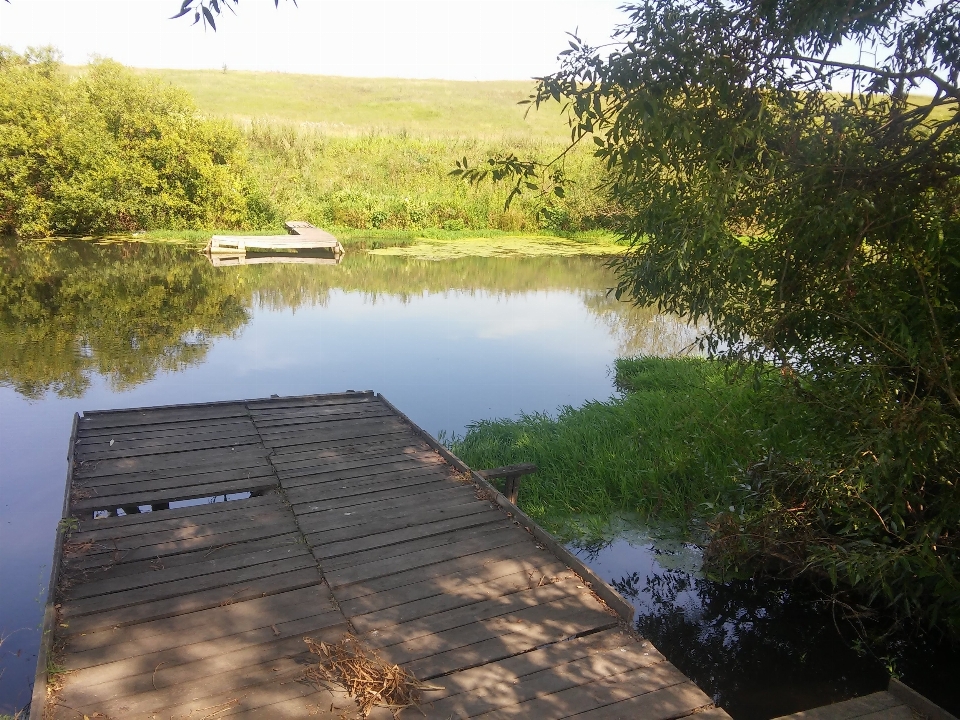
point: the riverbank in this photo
(430, 244)
(673, 445)
(381, 166)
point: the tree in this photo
(817, 230)
(205, 11)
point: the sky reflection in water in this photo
(85, 327)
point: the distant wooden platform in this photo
(358, 521)
(302, 236)
(227, 259)
(898, 702)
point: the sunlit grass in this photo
(347, 105)
(672, 446)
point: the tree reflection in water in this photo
(764, 647)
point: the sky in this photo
(450, 39)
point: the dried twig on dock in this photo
(366, 677)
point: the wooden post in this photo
(511, 475)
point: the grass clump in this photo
(673, 445)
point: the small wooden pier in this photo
(301, 236)
(356, 521)
(897, 702)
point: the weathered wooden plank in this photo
(393, 514)
(364, 558)
(274, 423)
(428, 556)
(160, 446)
(180, 517)
(666, 694)
(463, 584)
(511, 670)
(849, 709)
(162, 430)
(89, 605)
(158, 527)
(915, 701)
(365, 468)
(126, 569)
(298, 401)
(563, 673)
(308, 702)
(353, 547)
(345, 444)
(192, 602)
(152, 691)
(468, 560)
(243, 456)
(279, 628)
(498, 638)
(333, 462)
(449, 597)
(147, 496)
(119, 484)
(348, 429)
(271, 630)
(161, 575)
(287, 696)
(159, 547)
(320, 497)
(375, 533)
(116, 643)
(160, 552)
(212, 696)
(411, 631)
(364, 487)
(152, 416)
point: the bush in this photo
(111, 152)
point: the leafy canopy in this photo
(807, 207)
(110, 151)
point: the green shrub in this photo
(110, 151)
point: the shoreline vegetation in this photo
(105, 150)
(115, 154)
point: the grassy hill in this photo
(350, 105)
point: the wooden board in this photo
(360, 522)
(898, 702)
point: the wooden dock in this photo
(301, 236)
(898, 702)
(357, 522)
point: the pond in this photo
(85, 326)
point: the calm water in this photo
(86, 327)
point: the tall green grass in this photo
(671, 446)
(376, 153)
(400, 181)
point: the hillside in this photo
(343, 104)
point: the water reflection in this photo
(86, 326)
(761, 647)
(253, 258)
(70, 310)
